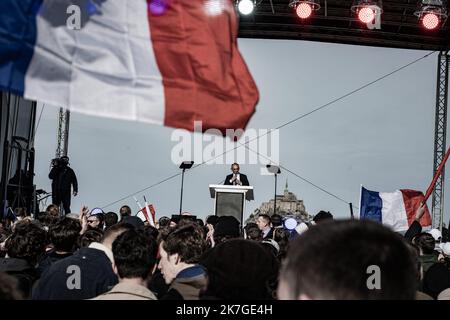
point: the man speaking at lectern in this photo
(236, 178)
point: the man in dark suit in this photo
(264, 224)
(236, 178)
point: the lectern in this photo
(230, 200)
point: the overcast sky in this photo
(381, 137)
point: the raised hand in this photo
(83, 219)
(420, 211)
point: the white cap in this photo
(301, 228)
(437, 235)
(96, 211)
(445, 247)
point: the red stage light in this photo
(366, 15)
(430, 21)
(304, 10)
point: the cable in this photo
(132, 194)
(37, 125)
(286, 124)
(300, 177)
(354, 91)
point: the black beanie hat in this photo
(241, 269)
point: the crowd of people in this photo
(109, 256)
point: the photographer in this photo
(64, 179)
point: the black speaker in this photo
(17, 161)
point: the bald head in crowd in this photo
(348, 260)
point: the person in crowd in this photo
(444, 253)
(252, 232)
(212, 220)
(53, 210)
(90, 236)
(281, 236)
(415, 252)
(239, 269)
(84, 275)
(96, 219)
(125, 211)
(227, 227)
(264, 224)
(436, 280)
(436, 234)
(181, 250)
(151, 232)
(271, 246)
(134, 258)
(445, 234)
(321, 216)
(4, 235)
(21, 214)
(111, 219)
(415, 228)
(199, 222)
(156, 283)
(63, 237)
(276, 220)
(348, 260)
(9, 288)
(134, 221)
(163, 222)
(24, 248)
(426, 244)
(46, 219)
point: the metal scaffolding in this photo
(440, 137)
(62, 145)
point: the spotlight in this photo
(304, 8)
(366, 15)
(430, 21)
(367, 11)
(245, 7)
(290, 224)
(431, 13)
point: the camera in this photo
(60, 162)
(56, 162)
(64, 160)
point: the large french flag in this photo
(168, 62)
(394, 209)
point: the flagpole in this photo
(147, 209)
(139, 205)
(351, 211)
(360, 205)
(436, 176)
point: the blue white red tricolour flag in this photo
(168, 62)
(394, 209)
(145, 216)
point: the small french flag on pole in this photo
(394, 209)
